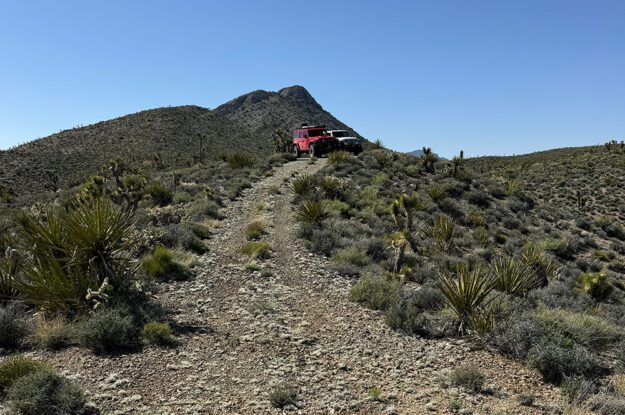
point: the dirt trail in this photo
(244, 333)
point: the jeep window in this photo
(317, 133)
(339, 134)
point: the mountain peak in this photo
(300, 95)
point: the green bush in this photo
(352, 255)
(255, 229)
(240, 160)
(376, 292)
(282, 396)
(584, 329)
(597, 285)
(436, 192)
(260, 250)
(161, 265)
(468, 378)
(404, 313)
(108, 331)
(555, 362)
(14, 367)
(160, 194)
(14, 327)
(158, 333)
(44, 392)
(303, 184)
(339, 156)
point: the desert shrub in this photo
(352, 255)
(555, 362)
(74, 251)
(183, 236)
(376, 249)
(468, 378)
(577, 389)
(283, 395)
(255, 229)
(199, 230)
(585, 329)
(160, 265)
(339, 156)
(16, 366)
(312, 211)
(240, 160)
(158, 333)
(181, 198)
(52, 334)
(558, 247)
(476, 218)
(107, 331)
(466, 292)
(376, 292)
(478, 198)
(160, 194)
(324, 241)
(260, 250)
(14, 327)
(513, 276)
(45, 392)
(615, 230)
(442, 231)
(597, 285)
(482, 237)
(303, 184)
(406, 313)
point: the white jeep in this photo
(346, 141)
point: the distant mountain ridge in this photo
(243, 124)
(418, 153)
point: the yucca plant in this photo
(303, 184)
(312, 211)
(467, 292)
(596, 284)
(72, 252)
(544, 265)
(443, 231)
(331, 186)
(513, 276)
(428, 159)
(377, 144)
(436, 192)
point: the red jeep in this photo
(313, 139)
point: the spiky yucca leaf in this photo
(312, 211)
(443, 231)
(467, 291)
(513, 276)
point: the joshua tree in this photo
(457, 163)
(281, 140)
(401, 209)
(428, 158)
(202, 150)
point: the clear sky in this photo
(489, 77)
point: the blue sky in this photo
(489, 77)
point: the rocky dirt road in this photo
(243, 333)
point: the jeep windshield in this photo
(339, 134)
(317, 132)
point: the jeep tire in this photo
(312, 151)
(296, 151)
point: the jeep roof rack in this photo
(306, 125)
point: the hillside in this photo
(242, 125)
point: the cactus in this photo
(201, 149)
